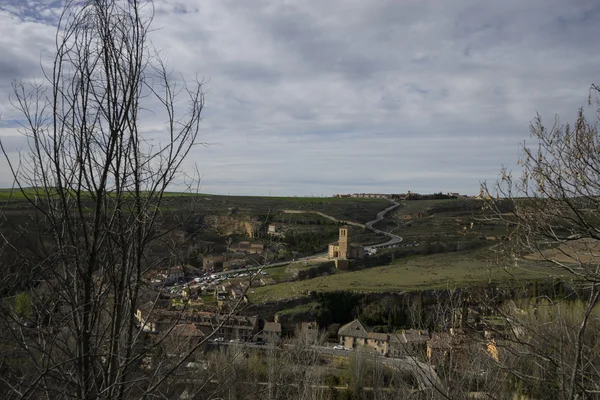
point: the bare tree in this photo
(553, 209)
(96, 183)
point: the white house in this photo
(174, 275)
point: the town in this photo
(209, 307)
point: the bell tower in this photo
(343, 242)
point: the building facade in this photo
(406, 342)
(343, 249)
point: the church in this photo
(343, 250)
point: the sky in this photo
(317, 97)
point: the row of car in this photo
(222, 340)
(210, 278)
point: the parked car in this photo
(260, 343)
(339, 347)
(220, 339)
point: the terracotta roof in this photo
(272, 327)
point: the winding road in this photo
(394, 239)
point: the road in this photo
(394, 239)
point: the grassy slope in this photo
(360, 210)
(441, 225)
(414, 273)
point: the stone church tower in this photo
(343, 243)
(343, 251)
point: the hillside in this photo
(437, 271)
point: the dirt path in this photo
(325, 216)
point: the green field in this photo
(359, 210)
(447, 270)
(423, 221)
(353, 209)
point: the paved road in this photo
(394, 239)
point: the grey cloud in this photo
(13, 144)
(259, 74)
(386, 95)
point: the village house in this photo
(190, 297)
(237, 293)
(276, 229)
(221, 295)
(142, 316)
(155, 319)
(174, 275)
(168, 276)
(230, 260)
(271, 333)
(438, 348)
(183, 338)
(234, 263)
(444, 345)
(213, 263)
(239, 327)
(355, 334)
(253, 283)
(247, 247)
(411, 342)
(267, 281)
(309, 331)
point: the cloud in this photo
(350, 96)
